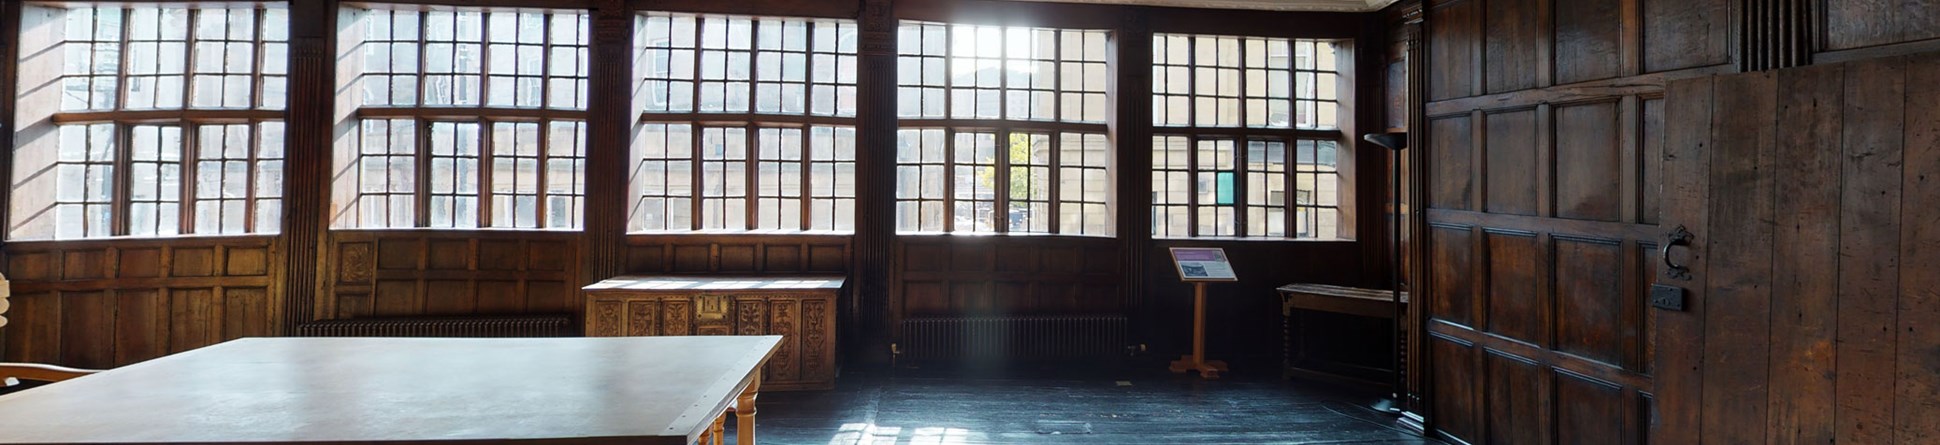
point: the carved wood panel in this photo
(805, 320)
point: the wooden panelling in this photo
(1740, 238)
(1518, 399)
(1687, 153)
(1542, 188)
(1681, 34)
(1869, 247)
(1454, 28)
(419, 273)
(1808, 179)
(1590, 300)
(1515, 304)
(1589, 411)
(1457, 399)
(1590, 162)
(1512, 30)
(83, 316)
(1589, 40)
(1451, 169)
(970, 276)
(34, 328)
(745, 254)
(1810, 284)
(1918, 387)
(1653, 163)
(1452, 261)
(1512, 163)
(101, 304)
(1861, 23)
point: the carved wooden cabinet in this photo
(801, 309)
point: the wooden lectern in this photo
(1200, 266)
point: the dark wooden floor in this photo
(927, 407)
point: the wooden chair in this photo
(12, 374)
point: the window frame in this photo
(186, 116)
(751, 122)
(1004, 126)
(480, 112)
(1242, 134)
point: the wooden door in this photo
(1539, 244)
(1813, 197)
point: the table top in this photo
(1342, 292)
(718, 283)
(401, 390)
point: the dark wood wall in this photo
(104, 303)
(1542, 129)
(1810, 191)
(407, 273)
(1542, 123)
(993, 276)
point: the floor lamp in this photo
(1395, 142)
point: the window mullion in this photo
(249, 176)
(697, 168)
(423, 49)
(487, 156)
(421, 187)
(1191, 169)
(949, 180)
(260, 48)
(545, 77)
(1290, 195)
(121, 71)
(1001, 182)
(751, 175)
(119, 190)
(542, 181)
(806, 190)
(189, 50)
(1242, 172)
(484, 60)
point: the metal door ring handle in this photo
(1677, 237)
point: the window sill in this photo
(1251, 239)
(140, 239)
(1001, 235)
(453, 230)
(699, 233)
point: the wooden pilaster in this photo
(870, 312)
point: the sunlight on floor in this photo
(870, 434)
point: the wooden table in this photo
(1327, 298)
(650, 390)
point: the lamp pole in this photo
(1395, 143)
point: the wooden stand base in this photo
(1208, 369)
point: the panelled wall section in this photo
(1549, 151)
(110, 302)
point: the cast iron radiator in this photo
(542, 325)
(1018, 338)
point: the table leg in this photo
(720, 430)
(744, 413)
